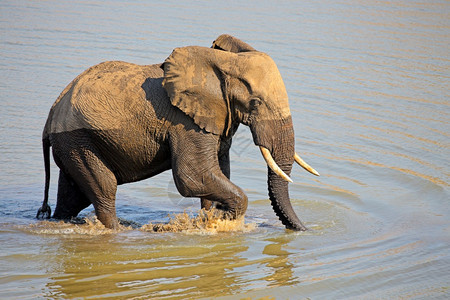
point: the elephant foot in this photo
(216, 213)
(44, 212)
(231, 210)
(211, 205)
(206, 204)
(76, 220)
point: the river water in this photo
(368, 83)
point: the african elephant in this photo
(119, 122)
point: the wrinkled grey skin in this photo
(118, 122)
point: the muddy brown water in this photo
(368, 83)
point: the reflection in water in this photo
(282, 270)
(164, 264)
(187, 265)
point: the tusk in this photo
(304, 165)
(272, 164)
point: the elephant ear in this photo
(229, 43)
(196, 83)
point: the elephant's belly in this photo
(133, 155)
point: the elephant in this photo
(119, 122)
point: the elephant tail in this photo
(45, 211)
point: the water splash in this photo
(206, 222)
(89, 225)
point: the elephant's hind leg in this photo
(99, 184)
(70, 200)
(80, 159)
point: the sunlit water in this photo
(369, 91)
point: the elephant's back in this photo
(103, 97)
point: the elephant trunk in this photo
(279, 143)
(279, 197)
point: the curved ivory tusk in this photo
(272, 164)
(304, 165)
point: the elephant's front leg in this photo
(224, 163)
(197, 173)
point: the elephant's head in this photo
(233, 83)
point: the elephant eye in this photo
(254, 103)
